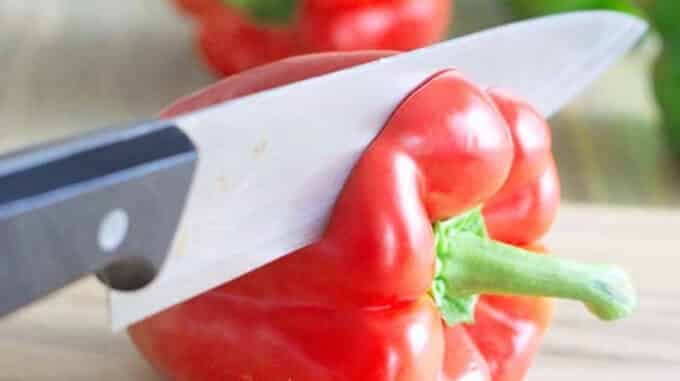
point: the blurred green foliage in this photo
(531, 8)
(664, 15)
(667, 90)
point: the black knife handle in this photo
(107, 203)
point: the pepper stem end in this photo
(469, 263)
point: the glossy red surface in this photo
(354, 306)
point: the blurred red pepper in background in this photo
(239, 34)
(195, 7)
(230, 42)
(378, 24)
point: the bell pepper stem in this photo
(478, 265)
(266, 11)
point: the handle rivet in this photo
(113, 229)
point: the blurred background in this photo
(68, 66)
(75, 65)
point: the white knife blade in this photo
(271, 164)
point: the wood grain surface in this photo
(66, 337)
(68, 66)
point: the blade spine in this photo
(186, 118)
(603, 59)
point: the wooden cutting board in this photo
(66, 338)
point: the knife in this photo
(229, 188)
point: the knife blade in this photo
(307, 140)
(270, 166)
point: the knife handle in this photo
(109, 203)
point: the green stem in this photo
(471, 264)
(266, 11)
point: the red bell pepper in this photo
(345, 25)
(385, 294)
(196, 7)
(230, 42)
(239, 34)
